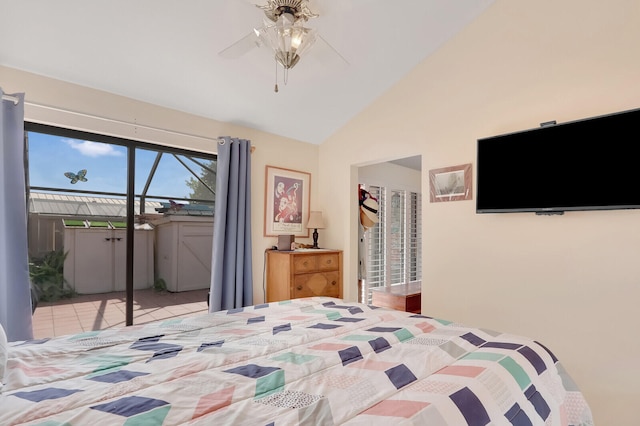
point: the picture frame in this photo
(450, 183)
(286, 202)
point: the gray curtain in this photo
(231, 276)
(15, 294)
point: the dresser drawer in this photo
(304, 264)
(317, 262)
(328, 262)
(317, 284)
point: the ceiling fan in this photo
(284, 33)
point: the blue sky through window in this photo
(51, 156)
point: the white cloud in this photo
(93, 149)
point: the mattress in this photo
(315, 361)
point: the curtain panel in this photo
(231, 269)
(15, 293)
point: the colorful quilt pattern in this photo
(315, 361)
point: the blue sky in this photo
(51, 156)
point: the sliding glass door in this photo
(117, 223)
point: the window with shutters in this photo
(393, 245)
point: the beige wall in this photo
(41, 93)
(573, 281)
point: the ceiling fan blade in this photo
(253, 3)
(326, 55)
(333, 49)
(242, 46)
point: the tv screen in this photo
(591, 164)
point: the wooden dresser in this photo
(401, 297)
(303, 273)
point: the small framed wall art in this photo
(286, 202)
(450, 183)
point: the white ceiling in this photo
(166, 52)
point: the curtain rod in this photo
(113, 120)
(10, 98)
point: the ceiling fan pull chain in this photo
(276, 86)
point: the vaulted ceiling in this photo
(166, 52)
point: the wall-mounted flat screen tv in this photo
(590, 164)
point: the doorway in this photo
(390, 252)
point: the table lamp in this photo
(315, 222)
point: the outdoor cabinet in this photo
(97, 256)
(183, 251)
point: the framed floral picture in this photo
(450, 183)
(286, 202)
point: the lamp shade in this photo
(315, 220)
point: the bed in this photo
(316, 361)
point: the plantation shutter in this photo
(414, 236)
(396, 231)
(393, 246)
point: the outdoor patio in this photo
(100, 311)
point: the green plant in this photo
(47, 275)
(160, 285)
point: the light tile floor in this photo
(91, 312)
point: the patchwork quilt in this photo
(314, 361)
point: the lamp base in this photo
(315, 239)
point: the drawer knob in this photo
(333, 282)
(299, 287)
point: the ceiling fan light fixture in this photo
(287, 36)
(287, 59)
(288, 42)
(298, 8)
